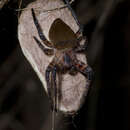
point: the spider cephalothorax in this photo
(63, 44)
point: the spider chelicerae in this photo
(64, 44)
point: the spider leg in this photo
(47, 51)
(85, 69)
(81, 48)
(49, 89)
(39, 30)
(51, 85)
(80, 37)
(79, 34)
(55, 100)
(74, 15)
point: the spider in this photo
(63, 44)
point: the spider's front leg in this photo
(47, 51)
(39, 30)
(79, 33)
(51, 85)
(74, 15)
(42, 37)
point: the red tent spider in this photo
(63, 44)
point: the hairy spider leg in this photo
(48, 81)
(39, 30)
(51, 85)
(86, 70)
(79, 35)
(52, 89)
(55, 98)
(55, 89)
(74, 15)
(47, 51)
(80, 31)
(81, 48)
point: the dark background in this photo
(23, 102)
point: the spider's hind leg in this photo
(51, 85)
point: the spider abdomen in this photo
(61, 35)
